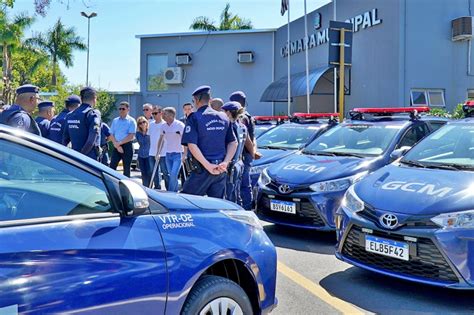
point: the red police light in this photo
(469, 103)
(269, 118)
(315, 115)
(391, 110)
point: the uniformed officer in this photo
(249, 151)
(45, 115)
(233, 110)
(56, 127)
(212, 144)
(19, 114)
(82, 126)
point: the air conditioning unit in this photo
(462, 28)
(183, 59)
(174, 75)
(245, 57)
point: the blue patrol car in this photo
(414, 218)
(79, 237)
(265, 123)
(305, 189)
(286, 139)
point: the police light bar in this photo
(315, 115)
(391, 110)
(469, 104)
(269, 118)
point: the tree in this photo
(228, 21)
(58, 43)
(11, 34)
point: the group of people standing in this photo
(216, 141)
(222, 146)
(159, 136)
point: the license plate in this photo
(383, 246)
(283, 206)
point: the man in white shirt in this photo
(172, 131)
(154, 131)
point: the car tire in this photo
(213, 290)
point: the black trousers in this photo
(126, 158)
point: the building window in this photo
(156, 66)
(432, 98)
(470, 94)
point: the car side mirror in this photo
(398, 153)
(134, 198)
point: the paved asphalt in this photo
(312, 281)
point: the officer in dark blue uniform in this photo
(82, 126)
(56, 127)
(19, 114)
(212, 144)
(249, 151)
(233, 110)
(45, 115)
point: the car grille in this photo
(425, 262)
(275, 185)
(412, 222)
(306, 214)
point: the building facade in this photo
(402, 55)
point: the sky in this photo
(114, 49)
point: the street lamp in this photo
(84, 14)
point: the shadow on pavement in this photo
(385, 295)
(301, 239)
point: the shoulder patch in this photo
(188, 129)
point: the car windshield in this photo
(260, 129)
(354, 139)
(452, 146)
(287, 136)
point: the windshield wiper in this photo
(348, 154)
(413, 163)
(272, 147)
(318, 153)
(448, 166)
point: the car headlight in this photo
(453, 220)
(254, 170)
(351, 201)
(339, 184)
(264, 178)
(244, 216)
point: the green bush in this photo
(439, 112)
(458, 113)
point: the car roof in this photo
(394, 120)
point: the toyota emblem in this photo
(284, 189)
(389, 221)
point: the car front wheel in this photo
(214, 295)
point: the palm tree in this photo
(59, 44)
(11, 33)
(228, 21)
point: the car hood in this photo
(300, 169)
(270, 156)
(174, 201)
(417, 191)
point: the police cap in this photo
(231, 106)
(72, 99)
(203, 89)
(27, 88)
(238, 96)
(45, 104)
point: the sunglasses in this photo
(156, 113)
(122, 108)
(142, 122)
(146, 109)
